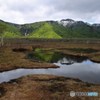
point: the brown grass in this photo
(45, 87)
(13, 60)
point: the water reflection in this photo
(86, 71)
(51, 56)
(72, 59)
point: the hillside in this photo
(9, 30)
(45, 31)
(66, 28)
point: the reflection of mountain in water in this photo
(52, 57)
(69, 59)
(86, 71)
(66, 61)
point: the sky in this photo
(28, 11)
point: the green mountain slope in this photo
(77, 30)
(83, 30)
(50, 29)
(45, 31)
(8, 30)
(61, 30)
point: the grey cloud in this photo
(35, 10)
(21, 6)
(76, 5)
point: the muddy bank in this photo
(10, 59)
(45, 87)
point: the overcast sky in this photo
(26, 11)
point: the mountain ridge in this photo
(65, 28)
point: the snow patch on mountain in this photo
(66, 22)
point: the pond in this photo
(84, 69)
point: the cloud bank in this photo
(28, 11)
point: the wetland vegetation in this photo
(40, 55)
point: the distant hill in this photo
(65, 28)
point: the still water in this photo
(85, 70)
